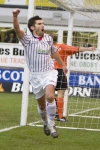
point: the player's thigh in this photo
(49, 92)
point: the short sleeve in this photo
(26, 39)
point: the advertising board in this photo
(12, 55)
(80, 84)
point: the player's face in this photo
(39, 28)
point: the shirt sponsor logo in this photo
(42, 52)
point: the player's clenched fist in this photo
(16, 12)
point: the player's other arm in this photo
(82, 49)
(70, 50)
(57, 57)
(17, 29)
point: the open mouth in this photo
(42, 30)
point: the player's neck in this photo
(38, 37)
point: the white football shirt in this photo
(37, 52)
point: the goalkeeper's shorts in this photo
(61, 81)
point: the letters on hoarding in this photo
(76, 79)
(80, 84)
(86, 61)
(11, 75)
(84, 80)
(16, 87)
(12, 55)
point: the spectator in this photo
(10, 38)
(86, 44)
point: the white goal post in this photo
(24, 109)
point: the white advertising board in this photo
(12, 55)
(86, 61)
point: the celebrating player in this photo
(43, 77)
(64, 51)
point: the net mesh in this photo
(90, 8)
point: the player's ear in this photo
(32, 28)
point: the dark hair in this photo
(32, 21)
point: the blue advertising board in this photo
(11, 75)
(80, 84)
(84, 80)
(76, 79)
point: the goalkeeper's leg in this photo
(60, 103)
(61, 87)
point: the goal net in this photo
(73, 22)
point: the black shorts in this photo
(61, 81)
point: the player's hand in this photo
(16, 12)
(91, 48)
(65, 70)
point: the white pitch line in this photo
(10, 128)
(85, 116)
(85, 111)
(72, 128)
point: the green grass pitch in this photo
(33, 138)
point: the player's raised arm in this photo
(17, 29)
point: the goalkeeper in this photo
(64, 51)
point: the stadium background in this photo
(13, 62)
